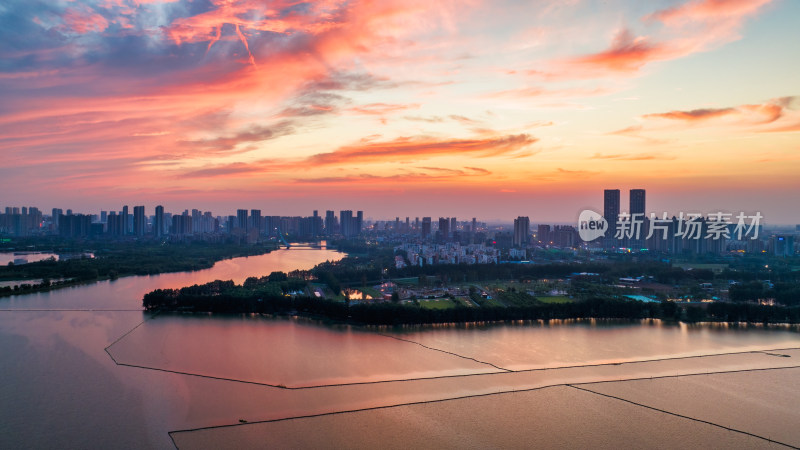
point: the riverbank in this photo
(121, 260)
(271, 295)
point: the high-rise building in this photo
(139, 225)
(330, 223)
(543, 234)
(611, 214)
(77, 225)
(158, 221)
(255, 220)
(56, 212)
(637, 211)
(114, 225)
(359, 222)
(426, 226)
(444, 228)
(637, 202)
(182, 224)
(316, 224)
(522, 231)
(241, 218)
(346, 223)
(782, 245)
(125, 218)
(564, 236)
(197, 221)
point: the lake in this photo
(23, 257)
(84, 367)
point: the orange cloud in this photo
(696, 26)
(755, 114)
(380, 109)
(708, 10)
(626, 54)
(630, 157)
(407, 148)
(694, 115)
(438, 175)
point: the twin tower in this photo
(611, 208)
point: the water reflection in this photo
(127, 292)
(61, 389)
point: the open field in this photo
(714, 267)
(442, 303)
(555, 299)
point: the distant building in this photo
(158, 222)
(255, 220)
(126, 228)
(444, 228)
(330, 223)
(346, 223)
(77, 225)
(543, 234)
(114, 224)
(611, 214)
(637, 211)
(426, 226)
(58, 212)
(139, 225)
(522, 231)
(241, 219)
(782, 245)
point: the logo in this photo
(591, 225)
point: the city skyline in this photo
(611, 209)
(494, 110)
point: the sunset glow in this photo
(463, 108)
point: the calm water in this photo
(61, 388)
(29, 257)
(7, 257)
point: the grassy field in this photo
(492, 302)
(555, 299)
(714, 267)
(444, 303)
(374, 293)
(412, 281)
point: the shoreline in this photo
(39, 288)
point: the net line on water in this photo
(537, 388)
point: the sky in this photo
(488, 109)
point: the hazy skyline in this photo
(484, 109)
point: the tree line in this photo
(270, 295)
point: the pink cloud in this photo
(407, 148)
(694, 115)
(695, 26)
(708, 10)
(626, 54)
(379, 109)
(763, 113)
(83, 19)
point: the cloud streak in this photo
(416, 148)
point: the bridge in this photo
(299, 245)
